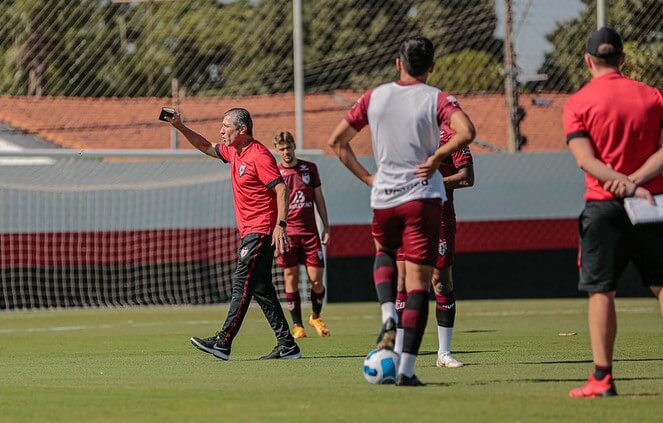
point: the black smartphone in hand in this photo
(167, 114)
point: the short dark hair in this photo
(417, 54)
(605, 46)
(284, 137)
(242, 117)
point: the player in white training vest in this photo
(407, 190)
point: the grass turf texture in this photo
(138, 365)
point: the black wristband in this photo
(282, 223)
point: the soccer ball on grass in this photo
(380, 366)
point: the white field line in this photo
(5, 331)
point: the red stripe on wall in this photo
(220, 244)
(122, 247)
(503, 235)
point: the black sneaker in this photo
(402, 380)
(283, 351)
(387, 335)
(212, 346)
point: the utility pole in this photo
(510, 83)
(600, 14)
(175, 91)
(298, 65)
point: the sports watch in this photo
(282, 223)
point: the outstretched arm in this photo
(193, 137)
(340, 143)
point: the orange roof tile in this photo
(131, 123)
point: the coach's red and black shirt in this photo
(622, 118)
(254, 173)
(302, 180)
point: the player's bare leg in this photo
(415, 316)
(445, 314)
(602, 319)
(317, 299)
(293, 300)
(658, 293)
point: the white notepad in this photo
(640, 211)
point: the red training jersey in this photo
(450, 166)
(302, 180)
(622, 119)
(253, 173)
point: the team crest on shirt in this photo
(242, 169)
(306, 177)
(243, 252)
(442, 248)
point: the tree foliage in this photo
(225, 47)
(640, 24)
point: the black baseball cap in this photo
(601, 37)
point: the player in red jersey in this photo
(613, 127)
(303, 182)
(458, 172)
(261, 209)
(407, 190)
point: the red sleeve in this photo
(660, 107)
(446, 105)
(357, 116)
(574, 125)
(462, 157)
(222, 152)
(315, 176)
(267, 169)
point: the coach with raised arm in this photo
(613, 127)
(261, 207)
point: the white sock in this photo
(388, 310)
(398, 347)
(444, 340)
(406, 365)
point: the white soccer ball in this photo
(380, 366)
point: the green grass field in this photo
(138, 365)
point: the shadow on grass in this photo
(558, 380)
(459, 352)
(623, 360)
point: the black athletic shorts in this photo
(608, 241)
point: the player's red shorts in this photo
(304, 249)
(414, 226)
(446, 247)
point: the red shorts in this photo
(304, 249)
(446, 248)
(414, 226)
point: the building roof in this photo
(131, 123)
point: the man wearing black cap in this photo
(612, 126)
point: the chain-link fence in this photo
(93, 74)
(190, 50)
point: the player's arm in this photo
(279, 236)
(339, 142)
(582, 151)
(464, 178)
(321, 206)
(463, 136)
(193, 137)
(651, 168)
